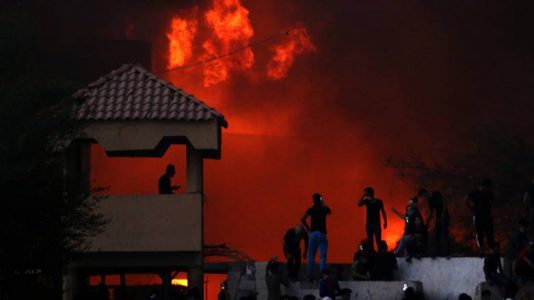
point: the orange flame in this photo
(232, 29)
(297, 43)
(180, 41)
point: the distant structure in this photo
(132, 113)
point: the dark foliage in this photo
(504, 156)
(45, 214)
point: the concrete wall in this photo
(151, 223)
(441, 279)
(444, 278)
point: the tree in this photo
(46, 215)
(504, 156)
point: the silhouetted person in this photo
(292, 250)
(485, 295)
(374, 208)
(385, 263)
(223, 294)
(464, 296)
(493, 270)
(164, 183)
(479, 201)
(413, 211)
(524, 264)
(364, 261)
(517, 242)
(413, 243)
(318, 240)
(438, 209)
(328, 285)
(274, 279)
(528, 200)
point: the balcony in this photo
(150, 223)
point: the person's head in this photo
(464, 296)
(486, 295)
(523, 225)
(299, 229)
(325, 273)
(171, 171)
(365, 244)
(369, 192)
(382, 246)
(317, 198)
(422, 193)
(486, 183)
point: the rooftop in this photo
(132, 93)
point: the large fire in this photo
(227, 46)
(297, 42)
(180, 41)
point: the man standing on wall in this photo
(374, 208)
(317, 213)
(479, 201)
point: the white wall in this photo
(442, 279)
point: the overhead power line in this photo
(230, 53)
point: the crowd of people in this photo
(423, 211)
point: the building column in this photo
(195, 280)
(195, 171)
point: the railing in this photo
(150, 223)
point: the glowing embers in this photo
(181, 38)
(297, 42)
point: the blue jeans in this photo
(317, 240)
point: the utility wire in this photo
(230, 53)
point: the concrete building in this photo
(132, 113)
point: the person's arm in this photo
(384, 216)
(306, 239)
(304, 222)
(499, 267)
(396, 212)
(362, 202)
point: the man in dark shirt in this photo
(317, 213)
(292, 249)
(479, 201)
(329, 286)
(374, 208)
(164, 183)
(438, 210)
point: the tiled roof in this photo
(132, 93)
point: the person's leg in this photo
(378, 236)
(489, 233)
(313, 243)
(479, 226)
(291, 266)
(437, 238)
(323, 252)
(370, 234)
(446, 240)
(402, 245)
(296, 269)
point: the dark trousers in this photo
(484, 227)
(374, 232)
(442, 240)
(293, 265)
